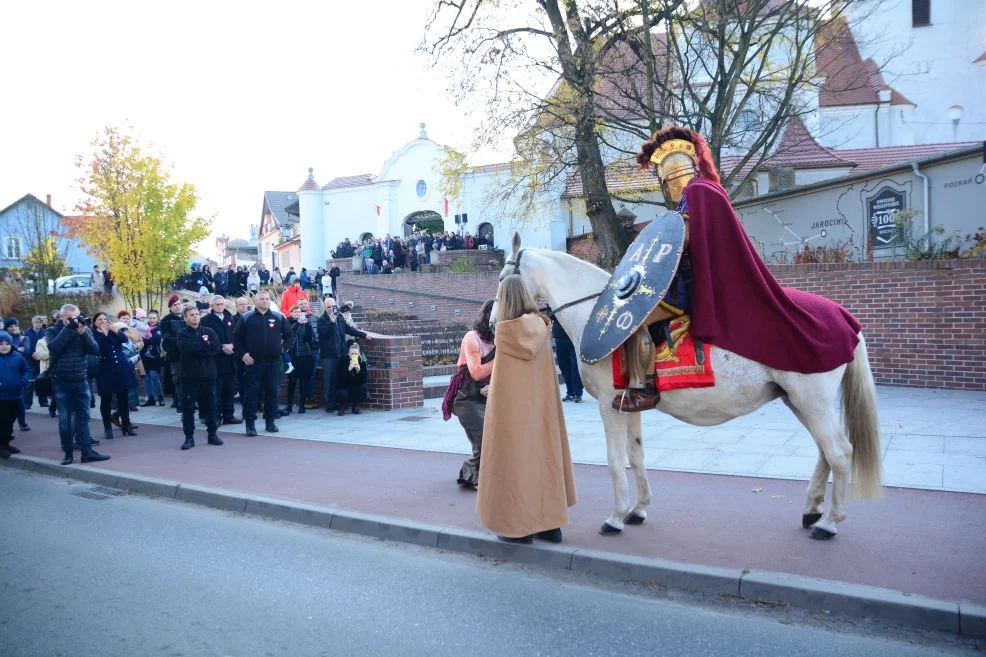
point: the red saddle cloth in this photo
(676, 365)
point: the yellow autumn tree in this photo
(138, 221)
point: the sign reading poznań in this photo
(883, 211)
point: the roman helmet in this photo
(675, 166)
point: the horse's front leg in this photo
(635, 452)
(615, 426)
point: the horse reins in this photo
(551, 312)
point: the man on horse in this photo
(721, 281)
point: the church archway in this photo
(428, 220)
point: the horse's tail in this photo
(862, 423)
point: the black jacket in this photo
(305, 341)
(68, 353)
(170, 325)
(332, 336)
(223, 326)
(350, 380)
(265, 336)
(198, 348)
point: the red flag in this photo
(446, 208)
(378, 209)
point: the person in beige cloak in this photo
(525, 465)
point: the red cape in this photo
(739, 306)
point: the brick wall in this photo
(395, 374)
(446, 298)
(924, 322)
(481, 261)
(394, 378)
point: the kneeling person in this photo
(351, 380)
(199, 346)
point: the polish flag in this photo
(446, 208)
(378, 209)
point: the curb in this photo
(813, 594)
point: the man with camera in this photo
(332, 346)
(69, 343)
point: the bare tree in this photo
(581, 83)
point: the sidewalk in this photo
(932, 439)
(711, 533)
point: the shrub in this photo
(462, 267)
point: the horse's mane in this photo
(565, 258)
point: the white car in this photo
(74, 285)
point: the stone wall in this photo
(446, 298)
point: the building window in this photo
(920, 13)
(13, 247)
(747, 120)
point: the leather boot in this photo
(635, 400)
(69, 459)
(251, 429)
(108, 433)
(150, 402)
(214, 439)
(188, 444)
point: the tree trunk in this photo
(611, 240)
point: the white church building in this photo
(404, 195)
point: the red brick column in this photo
(395, 372)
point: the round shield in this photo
(639, 283)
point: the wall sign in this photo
(422, 189)
(882, 210)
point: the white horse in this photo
(570, 286)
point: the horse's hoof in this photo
(820, 534)
(809, 519)
(609, 530)
(634, 519)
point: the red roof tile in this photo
(848, 79)
(349, 181)
(877, 158)
(309, 184)
(797, 148)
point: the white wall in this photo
(932, 66)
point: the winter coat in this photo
(150, 353)
(264, 276)
(14, 373)
(525, 465)
(223, 326)
(41, 351)
(199, 348)
(265, 336)
(289, 298)
(170, 324)
(348, 379)
(68, 352)
(305, 341)
(332, 336)
(253, 281)
(276, 277)
(115, 371)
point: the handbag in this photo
(43, 384)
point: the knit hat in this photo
(173, 298)
(5, 337)
(10, 321)
(122, 313)
(140, 313)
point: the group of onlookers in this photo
(389, 254)
(237, 281)
(203, 353)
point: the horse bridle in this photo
(550, 312)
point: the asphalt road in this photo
(130, 576)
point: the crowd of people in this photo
(389, 254)
(206, 351)
(235, 281)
